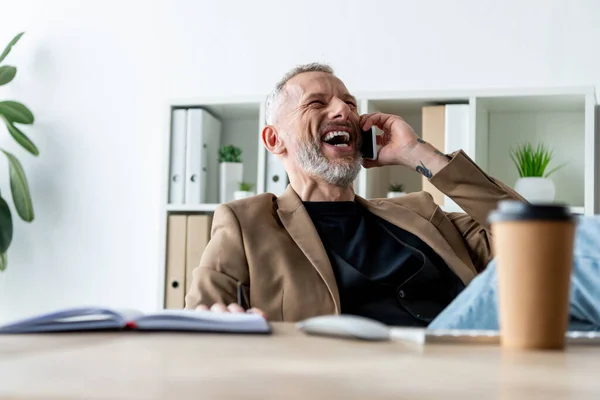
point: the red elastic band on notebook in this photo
(130, 325)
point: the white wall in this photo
(97, 74)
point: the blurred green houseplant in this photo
(396, 187)
(533, 162)
(12, 113)
(246, 186)
(230, 153)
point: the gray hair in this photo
(274, 98)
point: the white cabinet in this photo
(240, 123)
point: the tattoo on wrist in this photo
(421, 141)
(424, 171)
(439, 153)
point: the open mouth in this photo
(337, 138)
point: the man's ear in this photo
(271, 140)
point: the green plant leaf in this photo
(20, 137)
(16, 112)
(6, 226)
(3, 262)
(7, 73)
(10, 45)
(554, 169)
(20, 188)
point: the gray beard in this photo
(314, 162)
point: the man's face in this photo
(319, 119)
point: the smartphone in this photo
(368, 147)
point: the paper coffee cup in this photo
(533, 246)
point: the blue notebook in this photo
(94, 319)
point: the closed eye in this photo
(317, 102)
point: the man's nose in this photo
(338, 109)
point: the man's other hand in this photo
(234, 308)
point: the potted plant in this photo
(231, 171)
(533, 183)
(244, 191)
(12, 113)
(395, 190)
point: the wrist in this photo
(426, 159)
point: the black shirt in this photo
(382, 271)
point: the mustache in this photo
(352, 126)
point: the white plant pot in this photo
(231, 175)
(395, 194)
(536, 189)
(242, 194)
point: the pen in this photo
(241, 298)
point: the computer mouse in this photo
(345, 326)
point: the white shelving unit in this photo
(192, 208)
(564, 118)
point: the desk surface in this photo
(285, 365)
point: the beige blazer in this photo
(270, 245)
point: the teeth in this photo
(341, 145)
(331, 135)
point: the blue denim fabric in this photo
(476, 306)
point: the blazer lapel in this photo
(422, 228)
(297, 222)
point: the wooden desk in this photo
(286, 365)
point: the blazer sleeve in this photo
(223, 264)
(477, 194)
